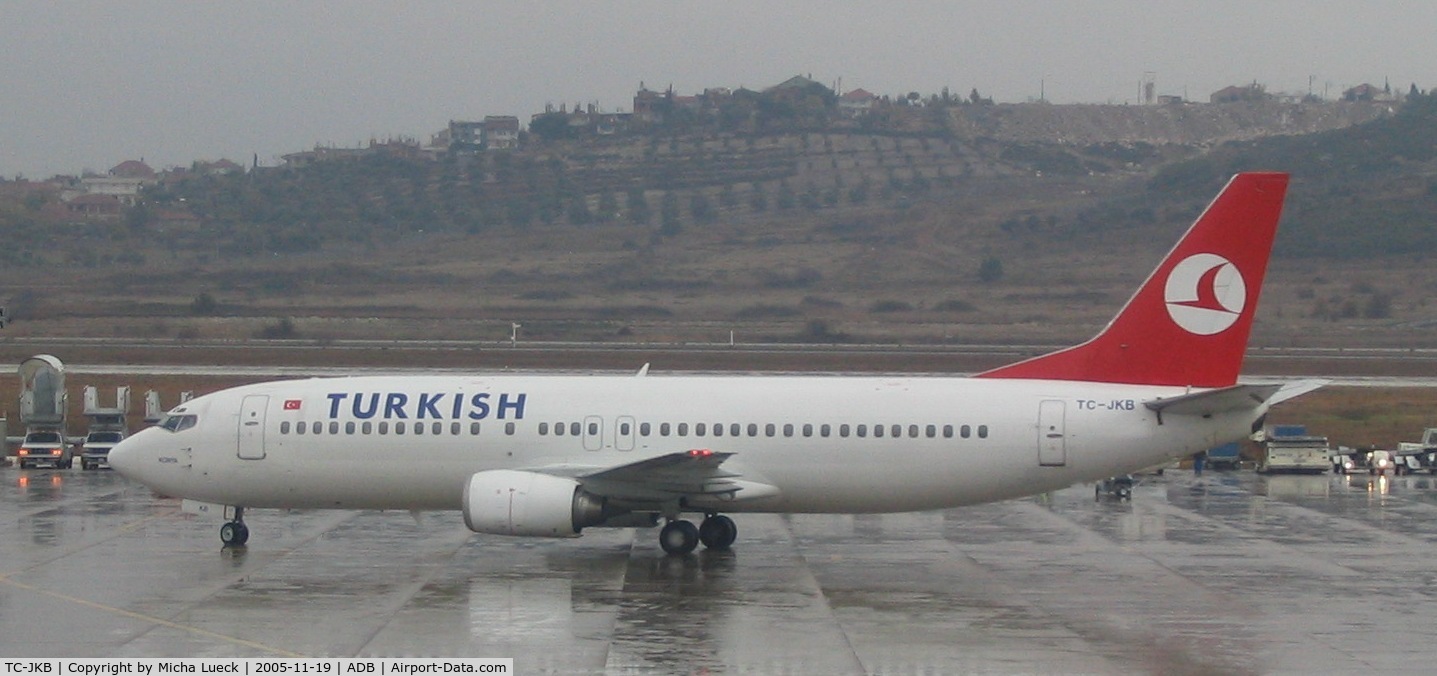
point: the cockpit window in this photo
(176, 423)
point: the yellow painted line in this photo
(149, 618)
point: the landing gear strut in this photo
(679, 537)
(235, 533)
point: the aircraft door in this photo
(593, 433)
(624, 433)
(1052, 439)
(251, 426)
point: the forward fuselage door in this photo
(251, 426)
(1052, 439)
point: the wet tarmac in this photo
(1219, 573)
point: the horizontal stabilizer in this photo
(1295, 389)
(1211, 402)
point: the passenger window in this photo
(733, 430)
(454, 428)
(699, 429)
(753, 429)
(843, 430)
(878, 431)
(300, 428)
(574, 429)
(683, 429)
(474, 429)
(543, 429)
(947, 431)
(824, 430)
(623, 429)
(366, 428)
(895, 431)
(284, 427)
(769, 430)
(862, 430)
(788, 429)
(558, 429)
(982, 431)
(718, 429)
(399, 428)
(931, 431)
(965, 431)
(644, 429)
(334, 428)
(593, 429)
(807, 429)
(384, 428)
(509, 429)
(664, 429)
(419, 428)
(349, 427)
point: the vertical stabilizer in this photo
(1189, 323)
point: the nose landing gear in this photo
(235, 533)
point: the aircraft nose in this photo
(123, 458)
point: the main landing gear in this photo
(679, 537)
(235, 533)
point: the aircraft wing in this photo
(695, 474)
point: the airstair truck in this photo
(107, 427)
(42, 411)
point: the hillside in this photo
(974, 233)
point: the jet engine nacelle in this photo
(511, 502)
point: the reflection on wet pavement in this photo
(1221, 573)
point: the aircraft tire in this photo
(718, 532)
(679, 537)
(234, 533)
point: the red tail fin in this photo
(1189, 322)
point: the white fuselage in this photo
(836, 444)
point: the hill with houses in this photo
(791, 208)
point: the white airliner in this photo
(550, 456)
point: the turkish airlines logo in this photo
(1205, 294)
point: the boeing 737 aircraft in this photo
(552, 455)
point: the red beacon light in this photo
(700, 453)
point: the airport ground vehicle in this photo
(1118, 488)
(1225, 456)
(1289, 448)
(1417, 457)
(95, 453)
(44, 447)
(1354, 461)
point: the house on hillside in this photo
(123, 182)
(856, 103)
(500, 132)
(1367, 92)
(1234, 94)
(96, 207)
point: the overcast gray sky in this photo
(90, 83)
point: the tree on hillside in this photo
(669, 215)
(638, 206)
